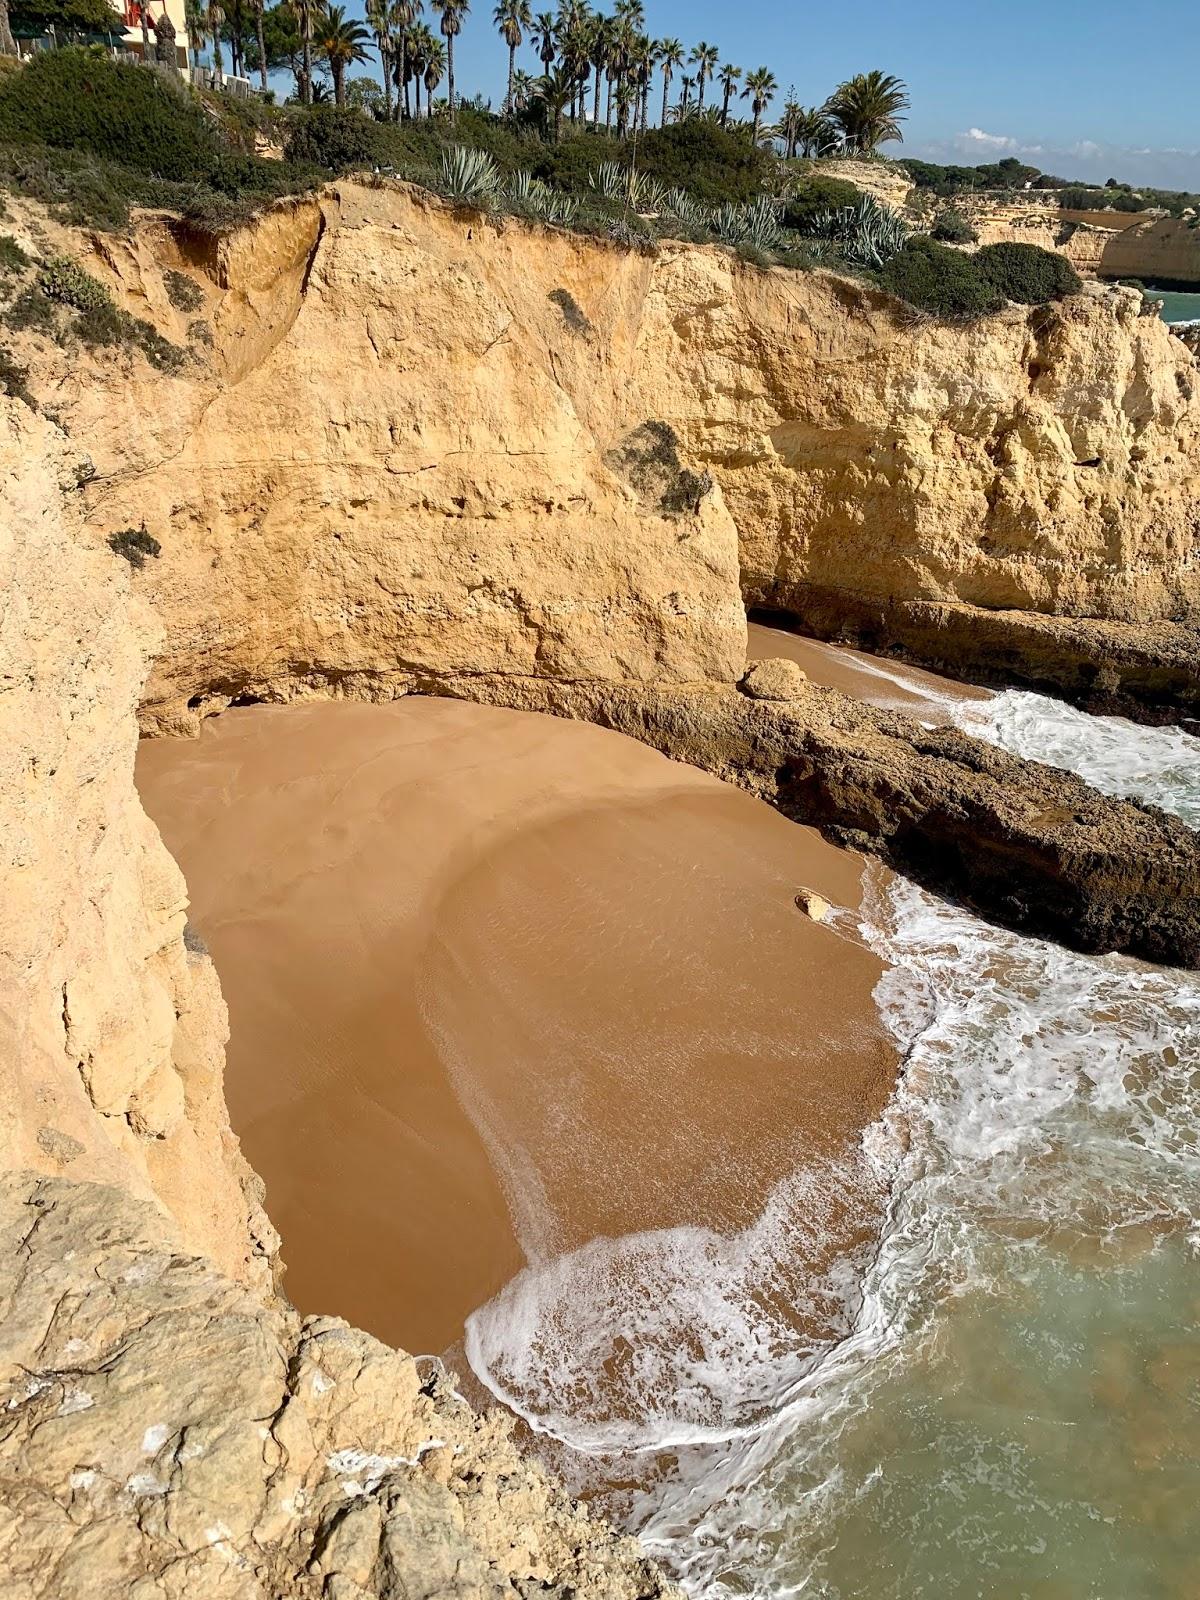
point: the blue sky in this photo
(1091, 89)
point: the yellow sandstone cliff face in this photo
(112, 1031)
(427, 442)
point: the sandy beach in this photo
(892, 684)
(501, 984)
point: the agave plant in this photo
(869, 233)
(679, 203)
(467, 174)
(611, 180)
(755, 223)
(525, 188)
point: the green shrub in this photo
(816, 196)
(80, 101)
(31, 312)
(335, 138)
(63, 279)
(951, 227)
(182, 292)
(135, 544)
(12, 257)
(1027, 273)
(943, 281)
(712, 163)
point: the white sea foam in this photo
(1046, 1093)
(674, 1336)
(1161, 765)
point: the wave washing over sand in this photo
(1009, 1408)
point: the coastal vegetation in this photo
(92, 137)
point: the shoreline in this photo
(458, 920)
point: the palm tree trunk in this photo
(450, 73)
(666, 87)
(512, 67)
(646, 103)
(403, 63)
(608, 109)
(595, 102)
(306, 93)
(143, 12)
(218, 59)
(700, 97)
(725, 110)
(385, 57)
(338, 69)
(8, 45)
(558, 111)
(262, 49)
(757, 121)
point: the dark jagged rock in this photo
(1027, 845)
(1147, 671)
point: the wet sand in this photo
(891, 684)
(500, 984)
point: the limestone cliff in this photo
(171, 1427)
(428, 442)
(112, 1028)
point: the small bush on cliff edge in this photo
(938, 279)
(134, 544)
(1026, 273)
(951, 227)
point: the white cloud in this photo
(990, 141)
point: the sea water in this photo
(1177, 305)
(1008, 1402)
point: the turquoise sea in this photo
(1177, 307)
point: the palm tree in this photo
(8, 45)
(555, 89)
(435, 66)
(420, 42)
(704, 58)
(687, 85)
(195, 23)
(545, 38)
(377, 18)
(216, 21)
(670, 56)
(760, 90)
(401, 16)
(342, 41)
(512, 17)
(600, 41)
(452, 13)
(262, 45)
(573, 46)
(306, 13)
(815, 133)
(522, 89)
(728, 79)
(867, 109)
